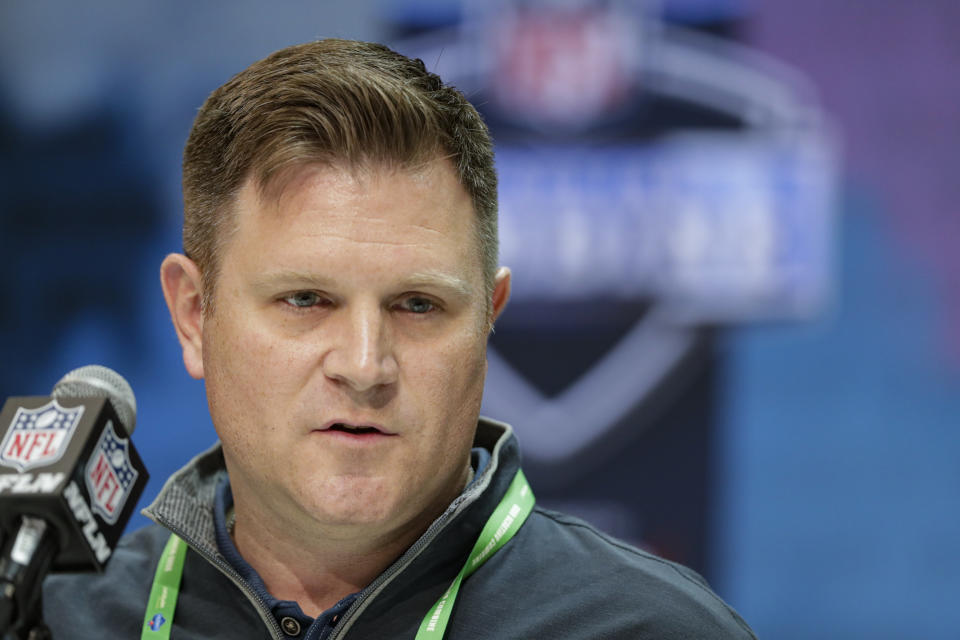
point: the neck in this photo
(319, 566)
(316, 581)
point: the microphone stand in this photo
(26, 561)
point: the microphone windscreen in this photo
(94, 381)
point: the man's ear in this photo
(183, 290)
(501, 293)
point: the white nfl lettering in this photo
(83, 515)
(28, 483)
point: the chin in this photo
(355, 506)
(352, 517)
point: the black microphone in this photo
(69, 481)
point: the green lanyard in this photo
(505, 521)
(158, 619)
(502, 525)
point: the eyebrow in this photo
(417, 280)
(438, 279)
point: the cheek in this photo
(452, 377)
(242, 374)
(245, 355)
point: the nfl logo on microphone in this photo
(109, 475)
(38, 437)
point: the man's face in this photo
(345, 353)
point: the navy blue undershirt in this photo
(310, 628)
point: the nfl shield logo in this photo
(109, 475)
(38, 437)
(156, 622)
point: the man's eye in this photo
(418, 305)
(302, 299)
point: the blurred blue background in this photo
(732, 226)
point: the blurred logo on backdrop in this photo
(645, 163)
(562, 69)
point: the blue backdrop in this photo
(808, 442)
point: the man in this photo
(338, 286)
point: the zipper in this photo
(374, 588)
(265, 614)
(371, 591)
(381, 581)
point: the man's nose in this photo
(361, 353)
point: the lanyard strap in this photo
(513, 509)
(158, 619)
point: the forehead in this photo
(405, 214)
(428, 188)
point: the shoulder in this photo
(113, 604)
(588, 584)
(589, 549)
